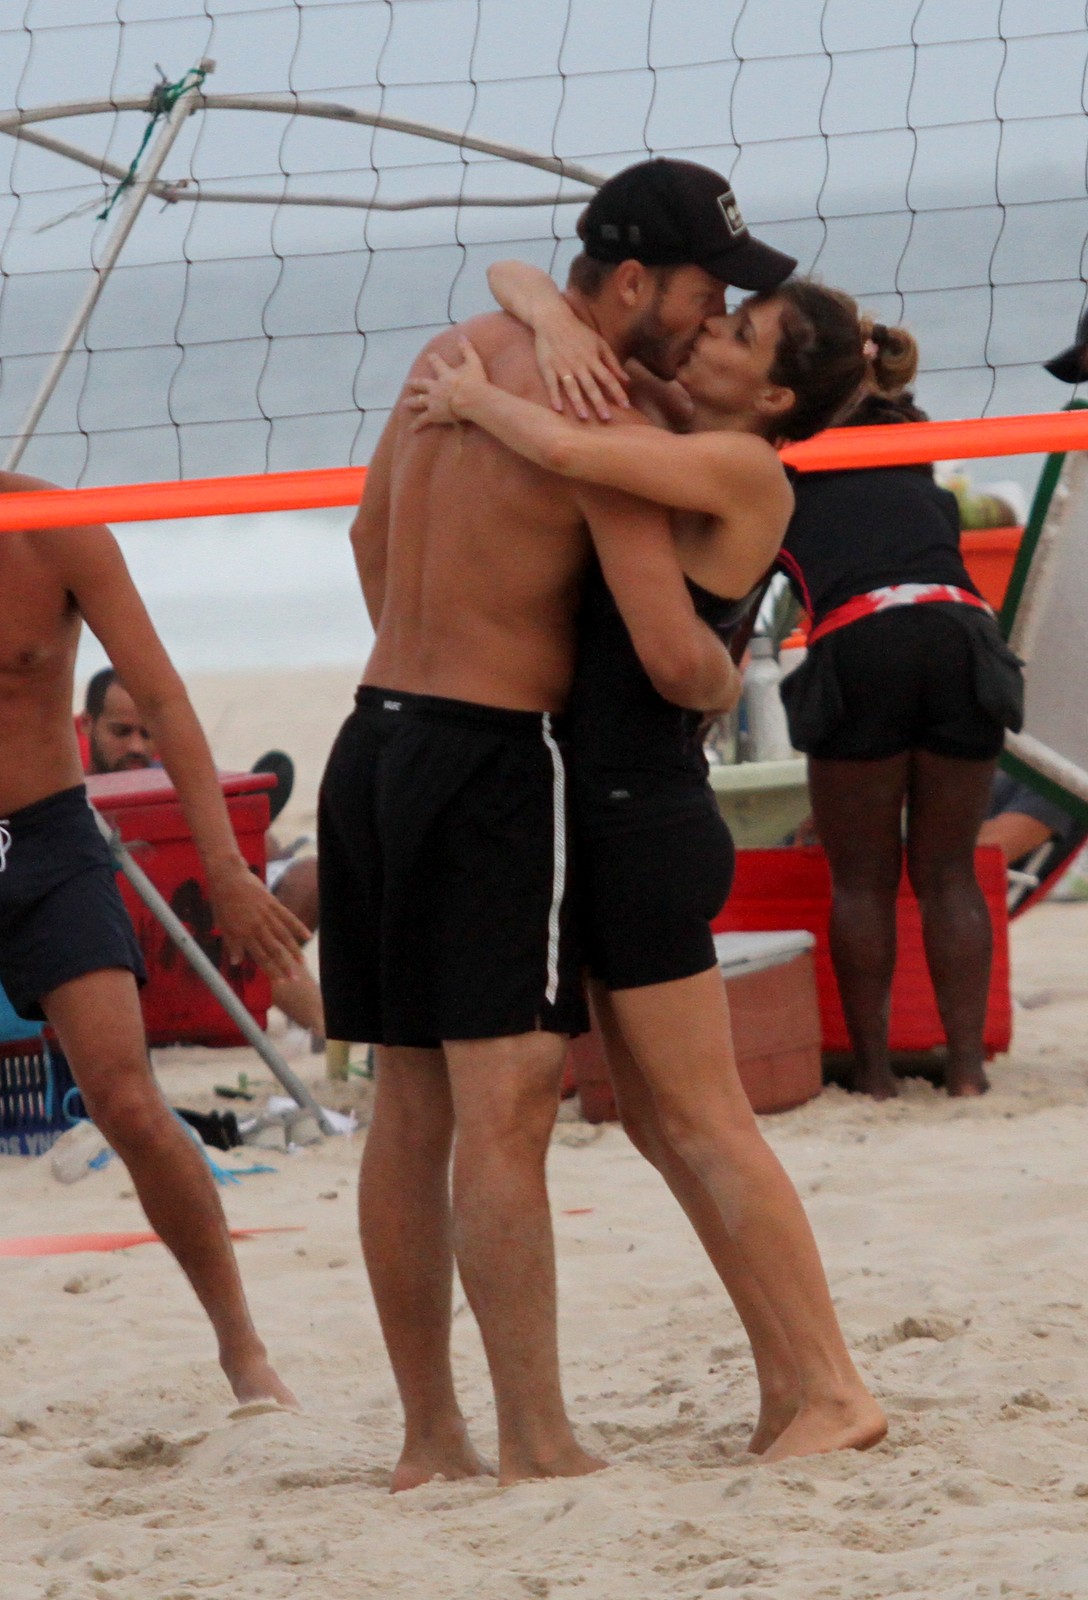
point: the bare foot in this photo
(573, 1462)
(879, 1081)
(775, 1416)
(452, 1455)
(256, 1383)
(963, 1082)
(853, 1424)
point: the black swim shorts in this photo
(647, 896)
(443, 875)
(61, 912)
(930, 677)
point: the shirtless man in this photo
(67, 949)
(445, 931)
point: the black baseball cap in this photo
(1072, 365)
(668, 213)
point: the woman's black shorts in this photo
(647, 896)
(918, 677)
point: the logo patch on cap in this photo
(727, 205)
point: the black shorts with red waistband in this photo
(936, 677)
(442, 857)
(61, 912)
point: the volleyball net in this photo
(322, 186)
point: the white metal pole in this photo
(211, 975)
(130, 210)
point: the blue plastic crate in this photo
(38, 1097)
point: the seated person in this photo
(117, 741)
(1035, 834)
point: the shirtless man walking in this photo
(445, 918)
(67, 949)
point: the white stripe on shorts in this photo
(559, 858)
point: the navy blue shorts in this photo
(61, 913)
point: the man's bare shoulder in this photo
(20, 483)
(504, 345)
(67, 549)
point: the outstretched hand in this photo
(254, 923)
(444, 398)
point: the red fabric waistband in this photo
(894, 594)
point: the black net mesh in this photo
(929, 157)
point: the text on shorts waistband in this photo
(440, 709)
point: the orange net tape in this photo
(896, 445)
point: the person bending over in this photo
(901, 705)
(67, 949)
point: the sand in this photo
(954, 1240)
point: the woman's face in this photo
(730, 363)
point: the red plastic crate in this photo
(791, 888)
(178, 1007)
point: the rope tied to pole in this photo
(162, 100)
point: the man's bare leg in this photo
(505, 1097)
(407, 1234)
(679, 1034)
(776, 1371)
(98, 1022)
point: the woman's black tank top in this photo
(635, 757)
(856, 531)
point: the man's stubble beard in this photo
(651, 343)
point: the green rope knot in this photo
(161, 101)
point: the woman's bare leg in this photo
(947, 803)
(857, 807)
(679, 1034)
(776, 1371)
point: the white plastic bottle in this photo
(768, 733)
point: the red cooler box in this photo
(774, 1007)
(178, 1007)
(791, 888)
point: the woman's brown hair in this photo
(819, 355)
(892, 355)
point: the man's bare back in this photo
(476, 595)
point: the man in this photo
(118, 741)
(1034, 834)
(445, 935)
(67, 950)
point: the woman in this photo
(902, 702)
(655, 858)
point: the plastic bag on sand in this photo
(82, 1149)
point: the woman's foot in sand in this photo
(879, 1081)
(967, 1081)
(776, 1412)
(256, 1383)
(855, 1423)
(449, 1455)
(573, 1462)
